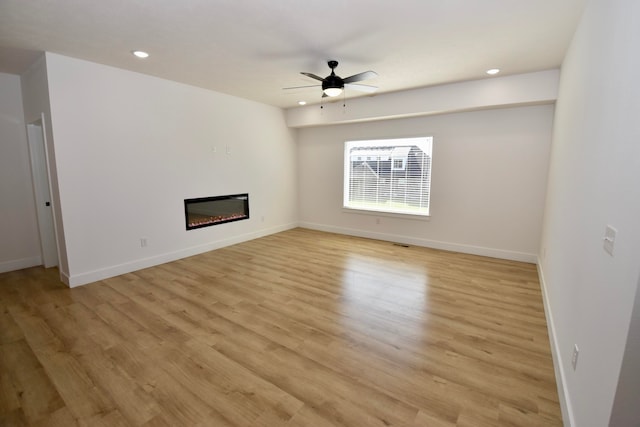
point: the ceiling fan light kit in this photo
(332, 91)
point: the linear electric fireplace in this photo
(207, 211)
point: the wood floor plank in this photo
(133, 403)
(84, 398)
(35, 395)
(10, 331)
(59, 418)
(299, 328)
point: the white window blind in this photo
(391, 175)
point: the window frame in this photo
(424, 143)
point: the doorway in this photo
(42, 192)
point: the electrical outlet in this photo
(377, 220)
(143, 242)
(574, 357)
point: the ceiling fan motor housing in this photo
(332, 81)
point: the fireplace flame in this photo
(214, 219)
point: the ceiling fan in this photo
(333, 85)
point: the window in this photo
(398, 164)
(392, 175)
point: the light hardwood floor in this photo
(300, 328)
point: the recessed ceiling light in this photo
(140, 53)
(493, 71)
(302, 102)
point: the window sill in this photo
(386, 214)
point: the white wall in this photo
(594, 181)
(488, 180)
(130, 148)
(19, 239)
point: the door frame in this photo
(42, 190)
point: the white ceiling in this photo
(254, 48)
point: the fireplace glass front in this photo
(208, 211)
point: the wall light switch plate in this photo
(609, 239)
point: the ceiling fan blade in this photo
(313, 76)
(361, 88)
(299, 87)
(361, 76)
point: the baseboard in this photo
(563, 395)
(64, 277)
(139, 264)
(434, 244)
(19, 264)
